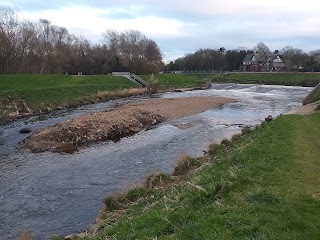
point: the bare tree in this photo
(293, 57)
(134, 50)
(262, 49)
(8, 39)
(27, 47)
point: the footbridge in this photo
(132, 77)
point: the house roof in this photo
(248, 58)
(259, 57)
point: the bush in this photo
(153, 84)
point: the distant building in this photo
(257, 62)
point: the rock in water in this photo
(269, 118)
(25, 130)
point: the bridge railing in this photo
(132, 77)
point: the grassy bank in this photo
(265, 185)
(300, 79)
(316, 96)
(43, 91)
(182, 80)
(193, 80)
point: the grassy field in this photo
(275, 78)
(193, 80)
(263, 185)
(182, 80)
(42, 91)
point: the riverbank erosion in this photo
(114, 124)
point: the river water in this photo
(51, 194)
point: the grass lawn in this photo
(42, 91)
(275, 78)
(193, 80)
(181, 80)
(265, 185)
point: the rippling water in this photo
(51, 194)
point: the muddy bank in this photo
(117, 123)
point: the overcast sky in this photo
(184, 26)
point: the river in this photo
(50, 194)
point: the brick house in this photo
(257, 62)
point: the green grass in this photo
(42, 91)
(265, 185)
(316, 96)
(275, 78)
(181, 80)
(193, 80)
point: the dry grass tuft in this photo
(24, 235)
(214, 148)
(107, 95)
(184, 164)
(158, 180)
(120, 201)
(245, 130)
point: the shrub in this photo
(153, 84)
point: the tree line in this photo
(43, 48)
(228, 60)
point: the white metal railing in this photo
(132, 77)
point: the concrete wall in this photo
(309, 96)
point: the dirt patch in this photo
(112, 125)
